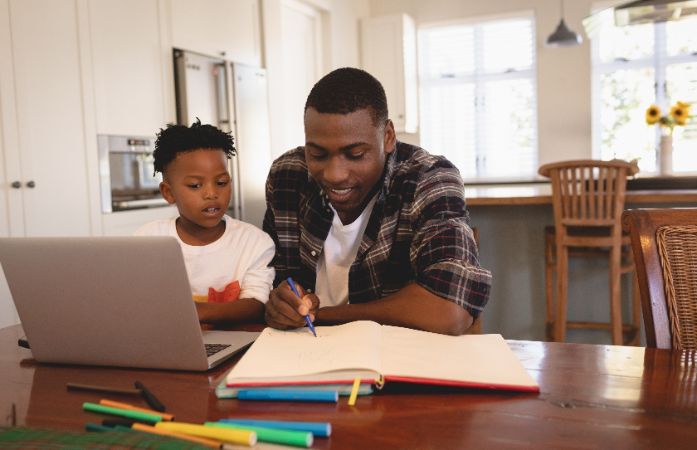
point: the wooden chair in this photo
(664, 242)
(588, 199)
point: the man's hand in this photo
(286, 310)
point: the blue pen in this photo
(290, 395)
(291, 283)
(321, 429)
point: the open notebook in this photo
(376, 353)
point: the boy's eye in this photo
(223, 182)
(194, 185)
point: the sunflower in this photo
(653, 114)
(679, 112)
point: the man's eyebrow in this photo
(345, 148)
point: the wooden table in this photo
(591, 397)
(541, 194)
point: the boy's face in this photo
(345, 154)
(198, 181)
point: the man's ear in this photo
(390, 138)
(166, 191)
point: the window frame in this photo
(478, 78)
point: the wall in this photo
(341, 48)
(563, 74)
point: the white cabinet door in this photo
(389, 54)
(130, 69)
(227, 28)
(42, 115)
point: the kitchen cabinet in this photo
(41, 110)
(131, 67)
(388, 51)
(44, 188)
(125, 223)
(224, 28)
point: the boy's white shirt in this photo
(338, 253)
(243, 253)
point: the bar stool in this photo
(588, 200)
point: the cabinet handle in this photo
(31, 184)
(16, 185)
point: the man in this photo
(371, 228)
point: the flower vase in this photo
(665, 155)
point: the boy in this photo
(227, 261)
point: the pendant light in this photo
(563, 36)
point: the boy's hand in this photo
(285, 310)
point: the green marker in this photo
(135, 415)
(286, 437)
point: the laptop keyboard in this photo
(212, 349)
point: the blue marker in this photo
(321, 429)
(307, 316)
(290, 395)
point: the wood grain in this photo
(591, 397)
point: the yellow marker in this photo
(354, 392)
(242, 437)
(107, 402)
(199, 440)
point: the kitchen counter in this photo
(512, 247)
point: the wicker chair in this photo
(664, 242)
(588, 200)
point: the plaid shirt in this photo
(418, 230)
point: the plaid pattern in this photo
(418, 231)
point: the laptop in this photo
(111, 301)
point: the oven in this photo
(126, 167)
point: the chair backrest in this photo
(588, 192)
(664, 242)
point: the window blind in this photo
(478, 99)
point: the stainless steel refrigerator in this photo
(233, 97)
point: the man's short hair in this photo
(347, 90)
(176, 139)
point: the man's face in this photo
(346, 154)
(199, 183)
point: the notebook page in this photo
(471, 359)
(277, 353)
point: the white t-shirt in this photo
(242, 254)
(339, 252)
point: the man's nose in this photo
(335, 172)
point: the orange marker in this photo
(114, 404)
(152, 430)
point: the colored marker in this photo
(97, 427)
(320, 429)
(108, 389)
(107, 402)
(354, 392)
(127, 413)
(291, 283)
(285, 437)
(242, 437)
(150, 397)
(162, 432)
(290, 395)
